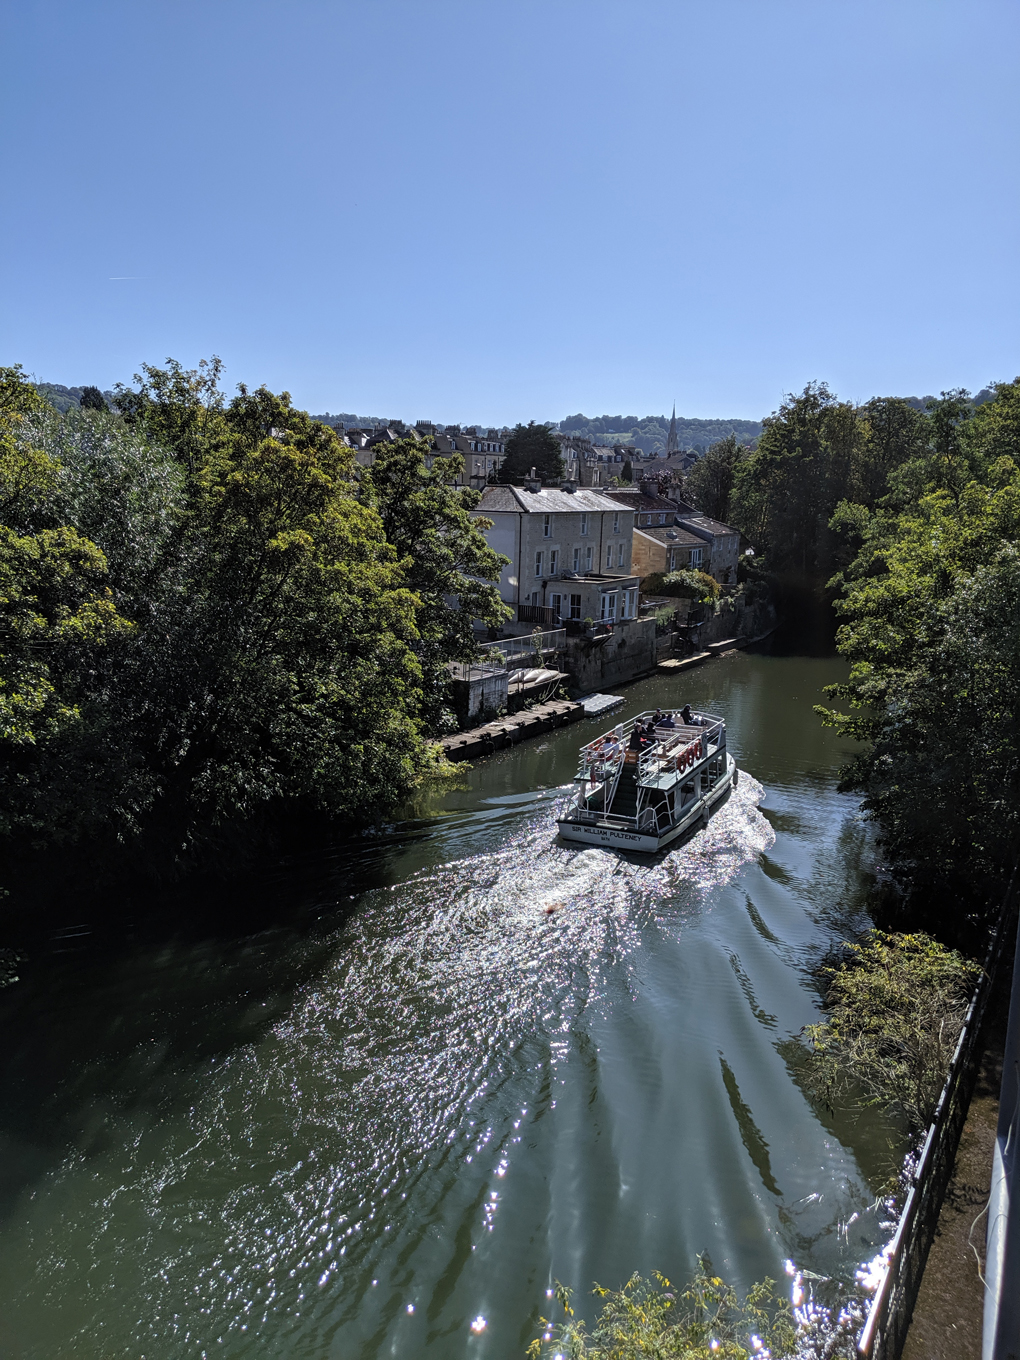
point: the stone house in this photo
(668, 530)
(723, 545)
(569, 551)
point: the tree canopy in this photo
(709, 484)
(204, 622)
(532, 446)
(928, 602)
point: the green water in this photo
(413, 1106)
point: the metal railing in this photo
(888, 1320)
(537, 613)
(518, 649)
(680, 749)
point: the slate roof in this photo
(516, 499)
(709, 526)
(672, 535)
(637, 500)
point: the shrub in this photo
(896, 1006)
(705, 1321)
(684, 585)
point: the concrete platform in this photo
(675, 663)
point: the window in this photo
(616, 522)
(595, 477)
(554, 561)
(628, 608)
(587, 557)
(646, 519)
(696, 556)
(547, 526)
(672, 559)
(609, 556)
(620, 553)
(609, 605)
(577, 559)
(584, 525)
(575, 606)
(662, 519)
(538, 563)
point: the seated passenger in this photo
(667, 721)
(687, 715)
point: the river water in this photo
(420, 1097)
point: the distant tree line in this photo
(211, 618)
(649, 433)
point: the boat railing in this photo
(605, 752)
(681, 750)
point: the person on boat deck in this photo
(667, 721)
(657, 717)
(687, 715)
(612, 747)
(637, 738)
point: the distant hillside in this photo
(63, 398)
(649, 432)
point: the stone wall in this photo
(597, 664)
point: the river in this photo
(419, 1097)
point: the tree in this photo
(709, 483)
(58, 625)
(232, 639)
(444, 557)
(92, 399)
(928, 608)
(532, 446)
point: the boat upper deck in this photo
(662, 758)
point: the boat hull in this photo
(624, 838)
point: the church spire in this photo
(672, 442)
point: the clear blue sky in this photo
(503, 209)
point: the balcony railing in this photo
(538, 613)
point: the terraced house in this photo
(569, 550)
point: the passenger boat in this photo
(643, 797)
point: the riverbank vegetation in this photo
(705, 1320)
(908, 521)
(212, 618)
(896, 1005)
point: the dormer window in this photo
(662, 519)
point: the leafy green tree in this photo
(816, 453)
(58, 625)
(444, 558)
(896, 1005)
(178, 407)
(232, 638)
(709, 484)
(92, 399)
(532, 446)
(928, 609)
